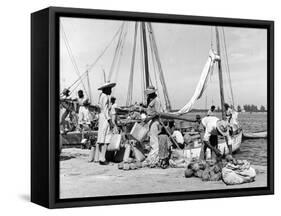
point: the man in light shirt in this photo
(84, 116)
(176, 134)
(211, 111)
(214, 127)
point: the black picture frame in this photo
(45, 98)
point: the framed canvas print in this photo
(139, 107)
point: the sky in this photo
(183, 52)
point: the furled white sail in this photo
(203, 82)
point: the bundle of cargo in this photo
(206, 170)
(237, 172)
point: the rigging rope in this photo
(142, 69)
(70, 53)
(154, 68)
(131, 78)
(116, 53)
(161, 74)
(121, 53)
(98, 58)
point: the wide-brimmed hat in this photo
(150, 90)
(222, 127)
(107, 85)
(86, 102)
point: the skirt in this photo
(104, 132)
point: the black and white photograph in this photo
(151, 108)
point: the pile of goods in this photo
(231, 171)
(206, 170)
(237, 172)
(130, 165)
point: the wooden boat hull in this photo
(256, 135)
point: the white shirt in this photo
(210, 113)
(210, 125)
(178, 136)
(112, 109)
(84, 115)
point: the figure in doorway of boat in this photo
(176, 134)
(152, 110)
(84, 116)
(81, 98)
(214, 127)
(113, 113)
(211, 111)
(105, 123)
(232, 119)
(228, 112)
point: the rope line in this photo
(98, 58)
(70, 53)
(131, 78)
(142, 68)
(116, 53)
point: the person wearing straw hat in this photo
(214, 127)
(105, 123)
(153, 108)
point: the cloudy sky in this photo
(183, 51)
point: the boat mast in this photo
(145, 55)
(160, 70)
(131, 79)
(220, 74)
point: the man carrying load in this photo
(214, 127)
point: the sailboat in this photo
(148, 42)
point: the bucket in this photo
(139, 132)
(115, 142)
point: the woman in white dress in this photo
(105, 123)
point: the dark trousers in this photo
(213, 142)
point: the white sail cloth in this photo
(203, 81)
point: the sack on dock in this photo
(238, 174)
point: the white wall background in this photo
(15, 106)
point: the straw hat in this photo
(150, 90)
(222, 127)
(107, 85)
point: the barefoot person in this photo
(105, 123)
